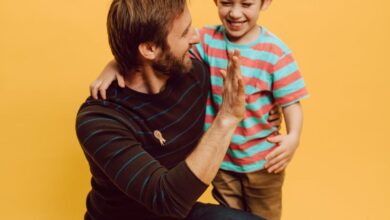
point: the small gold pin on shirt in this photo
(158, 135)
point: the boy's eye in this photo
(246, 5)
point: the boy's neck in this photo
(248, 37)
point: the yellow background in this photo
(51, 50)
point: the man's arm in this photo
(206, 159)
(107, 139)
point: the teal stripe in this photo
(262, 146)
(285, 71)
(210, 111)
(243, 168)
(218, 81)
(250, 121)
(218, 44)
(295, 101)
(290, 88)
(199, 49)
(254, 106)
(239, 139)
(259, 103)
(206, 126)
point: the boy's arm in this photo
(279, 158)
(109, 74)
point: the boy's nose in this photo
(235, 12)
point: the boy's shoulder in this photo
(271, 40)
(213, 31)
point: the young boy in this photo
(252, 173)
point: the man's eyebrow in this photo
(186, 30)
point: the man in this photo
(144, 144)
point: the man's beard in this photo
(170, 65)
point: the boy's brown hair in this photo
(132, 22)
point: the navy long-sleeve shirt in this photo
(136, 145)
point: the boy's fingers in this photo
(276, 159)
(275, 123)
(93, 88)
(277, 167)
(275, 139)
(102, 92)
(121, 80)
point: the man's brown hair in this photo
(132, 22)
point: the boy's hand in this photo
(106, 77)
(275, 117)
(280, 157)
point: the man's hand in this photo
(280, 157)
(233, 96)
(104, 80)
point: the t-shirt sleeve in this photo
(198, 51)
(288, 86)
(108, 140)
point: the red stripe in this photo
(211, 32)
(251, 143)
(249, 160)
(270, 48)
(250, 98)
(283, 62)
(292, 96)
(245, 61)
(287, 80)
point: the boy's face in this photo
(239, 18)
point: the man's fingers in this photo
(223, 73)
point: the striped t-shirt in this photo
(136, 145)
(271, 76)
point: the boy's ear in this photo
(148, 50)
(265, 5)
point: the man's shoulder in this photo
(200, 70)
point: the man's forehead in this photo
(182, 22)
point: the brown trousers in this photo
(259, 192)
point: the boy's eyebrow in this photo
(187, 29)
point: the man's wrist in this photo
(226, 119)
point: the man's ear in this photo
(148, 50)
(265, 5)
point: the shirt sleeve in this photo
(288, 86)
(198, 51)
(108, 139)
